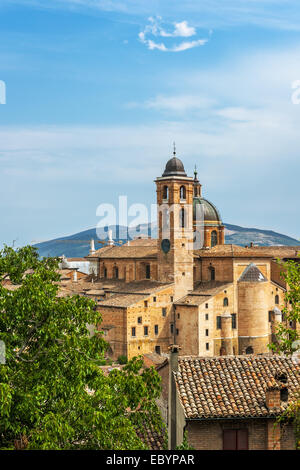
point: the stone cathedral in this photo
(212, 299)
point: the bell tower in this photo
(175, 227)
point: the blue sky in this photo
(97, 91)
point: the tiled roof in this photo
(154, 440)
(154, 359)
(252, 274)
(139, 248)
(231, 386)
(233, 251)
(203, 292)
(131, 293)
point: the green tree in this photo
(287, 337)
(53, 394)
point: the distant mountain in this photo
(78, 245)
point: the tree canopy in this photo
(287, 335)
(53, 394)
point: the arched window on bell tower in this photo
(165, 193)
(182, 193)
(213, 238)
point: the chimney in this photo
(251, 245)
(273, 403)
(75, 275)
(172, 415)
(273, 397)
(92, 248)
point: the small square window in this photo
(140, 320)
(145, 330)
(207, 346)
(157, 349)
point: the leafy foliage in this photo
(53, 394)
(285, 335)
(287, 338)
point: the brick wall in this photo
(209, 435)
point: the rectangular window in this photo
(156, 329)
(164, 312)
(145, 330)
(146, 303)
(206, 332)
(270, 315)
(177, 331)
(154, 299)
(178, 315)
(206, 305)
(157, 349)
(219, 321)
(235, 439)
(172, 327)
(171, 298)
(233, 319)
(206, 316)
(140, 320)
(133, 331)
(207, 346)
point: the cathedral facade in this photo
(187, 287)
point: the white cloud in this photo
(178, 103)
(181, 29)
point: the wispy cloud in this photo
(182, 29)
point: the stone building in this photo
(231, 402)
(188, 287)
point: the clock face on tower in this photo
(165, 245)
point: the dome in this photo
(211, 213)
(174, 167)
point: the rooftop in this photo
(232, 386)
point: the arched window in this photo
(214, 238)
(225, 302)
(165, 219)
(166, 192)
(276, 299)
(116, 272)
(222, 351)
(212, 273)
(249, 350)
(182, 193)
(148, 271)
(182, 217)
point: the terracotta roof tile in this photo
(232, 386)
